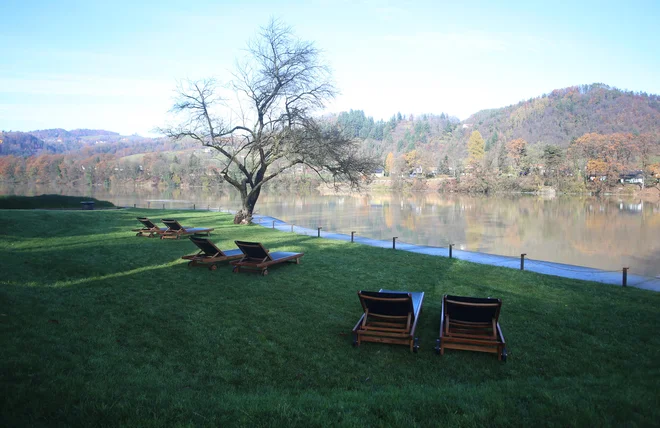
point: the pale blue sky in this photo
(114, 65)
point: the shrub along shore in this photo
(100, 327)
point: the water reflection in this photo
(606, 233)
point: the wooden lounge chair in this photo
(150, 229)
(471, 324)
(389, 317)
(175, 230)
(256, 257)
(209, 254)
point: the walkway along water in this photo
(546, 268)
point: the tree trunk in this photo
(244, 215)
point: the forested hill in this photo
(64, 135)
(20, 144)
(62, 141)
(564, 114)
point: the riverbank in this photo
(449, 185)
(101, 327)
(621, 278)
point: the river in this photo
(606, 233)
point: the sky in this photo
(115, 65)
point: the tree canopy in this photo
(279, 86)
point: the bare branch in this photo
(283, 83)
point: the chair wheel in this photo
(213, 267)
(265, 272)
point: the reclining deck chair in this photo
(471, 324)
(175, 230)
(209, 254)
(256, 257)
(389, 317)
(150, 229)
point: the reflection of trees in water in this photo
(601, 232)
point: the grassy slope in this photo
(98, 327)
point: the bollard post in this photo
(394, 242)
(134, 205)
(318, 230)
(163, 206)
(625, 276)
(451, 247)
(352, 235)
(522, 261)
(291, 228)
(193, 207)
(148, 204)
(273, 224)
(208, 207)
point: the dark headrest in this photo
(253, 250)
(172, 224)
(394, 304)
(475, 309)
(146, 222)
(205, 245)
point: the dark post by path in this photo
(318, 231)
(352, 235)
(451, 246)
(522, 261)
(394, 242)
(625, 276)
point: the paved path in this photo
(547, 268)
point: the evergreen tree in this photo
(492, 141)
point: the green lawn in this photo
(101, 328)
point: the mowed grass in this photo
(102, 328)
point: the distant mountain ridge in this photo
(556, 118)
(56, 140)
(568, 113)
(59, 133)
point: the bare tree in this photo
(278, 88)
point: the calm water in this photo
(606, 233)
